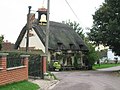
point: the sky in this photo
(13, 13)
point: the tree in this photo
(106, 25)
(76, 27)
(92, 56)
(1, 40)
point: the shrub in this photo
(56, 65)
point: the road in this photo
(87, 80)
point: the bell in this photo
(43, 18)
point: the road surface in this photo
(87, 80)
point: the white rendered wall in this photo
(111, 55)
(34, 41)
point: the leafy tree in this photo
(92, 56)
(1, 40)
(76, 27)
(106, 25)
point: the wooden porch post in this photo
(81, 58)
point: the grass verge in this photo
(97, 66)
(23, 85)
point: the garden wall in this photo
(13, 74)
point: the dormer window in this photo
(80, 46)
(59, 46)
(71, 46)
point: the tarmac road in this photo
(87, 80)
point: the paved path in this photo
(87, 80)
(44, 84)
(117, 68)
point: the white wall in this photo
(34, 41)
(111, 55)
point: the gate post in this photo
(44, 66)
(25, 63)
(3, 61)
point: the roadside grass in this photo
(97, 66)
(23, 85)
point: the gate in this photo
(35, 66)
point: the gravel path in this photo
(44, 84)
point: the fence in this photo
(12, 74)
(14, 62)
(35, 69)
(37, 66)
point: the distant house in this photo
(7, 46)
(111, 55)
(64, 42)
(106, 55)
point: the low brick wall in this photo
(14, 74)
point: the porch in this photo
(68, 61)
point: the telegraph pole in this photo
(45, 58)
(47, 29)
(28, 28)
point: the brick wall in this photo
(15, 74)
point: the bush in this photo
(56, 65)
(50, 76)
(92, 56)
(15, 59)
(76, 63)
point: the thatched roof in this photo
(58, 33)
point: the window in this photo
(71, 46)
(60, 46)
(80, 46)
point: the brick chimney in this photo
(32, 18)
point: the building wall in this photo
(111, 56)
(34, 41)
(10, 75)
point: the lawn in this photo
(24, 85)
(97, 66)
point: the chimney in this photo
(42, 16)
(32, 18)
(6, 41)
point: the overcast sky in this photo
(13, 13)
